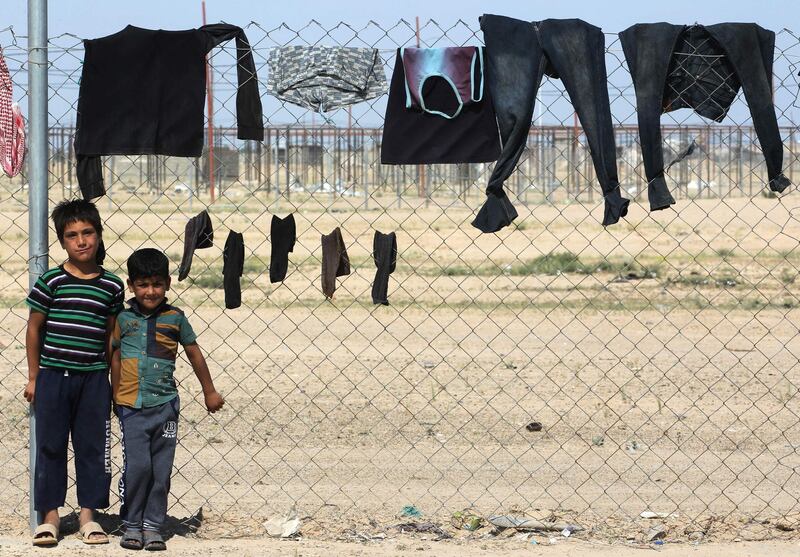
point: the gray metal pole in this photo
(37, 178)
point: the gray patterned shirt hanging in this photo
(324, 78)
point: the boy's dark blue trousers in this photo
(78, 404)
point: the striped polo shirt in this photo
(77, 312)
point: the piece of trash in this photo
(651, 514)
(534, 426)
(659, 542)
(598, 440)
(410, 510)
(553, 541)
(283, 527)
(566, 533)
(525, 523)
(465, 520)
(424, 527)
(522, 536)
(534, 542)
(657, 532)
(428, 365)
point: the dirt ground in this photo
(662, 367)
(189, 547)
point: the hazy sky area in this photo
(96, 18)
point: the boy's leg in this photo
(163, 443)
(52, 410)
(91, 438)
(134, 483)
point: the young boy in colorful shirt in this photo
(72, 309)
(144, 347)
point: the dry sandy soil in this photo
(188, 547)
(662, 365)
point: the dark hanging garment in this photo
(384, 252)
(413, 136)
(199, 234)
(232, 267)
(518, 55)
(335, 262)
(701, 67)
(282, 237)
(142, 91)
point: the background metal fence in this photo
(659, 355)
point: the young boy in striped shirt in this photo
(73, 308)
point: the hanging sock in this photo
(198, 235)
(335, 262)
(282, 237)
(12, 125)
(232, 267)
(384, 252)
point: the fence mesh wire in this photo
(659, 355)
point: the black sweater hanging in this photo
(142, 92)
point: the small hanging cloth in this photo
(232, 267)
(198, 235)
(282, 237)
(335, 262)
(12, 125)
(384, 252)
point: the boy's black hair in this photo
(69, 211)
(146, 263)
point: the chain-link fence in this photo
(659, 355)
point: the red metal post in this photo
(210, 96)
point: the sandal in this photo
(131, 539)
(45, 535)
(153, 541)
(88, 530)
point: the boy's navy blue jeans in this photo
(76, 403)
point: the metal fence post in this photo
(37, 184)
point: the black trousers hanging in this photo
(518, 54)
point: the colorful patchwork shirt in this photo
(148, 347)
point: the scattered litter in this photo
(534, 542)
(410, 510)
(598, 440)
(553, 541)
(651, 514)
(566, 532)
(659, 542)
(657, 532)
(283, 527)
(785, 526)
(523, 536)
(696, 537)
(525, 523)
(423, 527)
(362, 536)
(428, 365)
(534, 426)
(466, 520)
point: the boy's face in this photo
(80, 241)
(149, 291)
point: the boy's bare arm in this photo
(110, 326)
(33, 344)
(213, 399)
(116, 370)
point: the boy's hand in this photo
(214, 401)
(30, 388)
